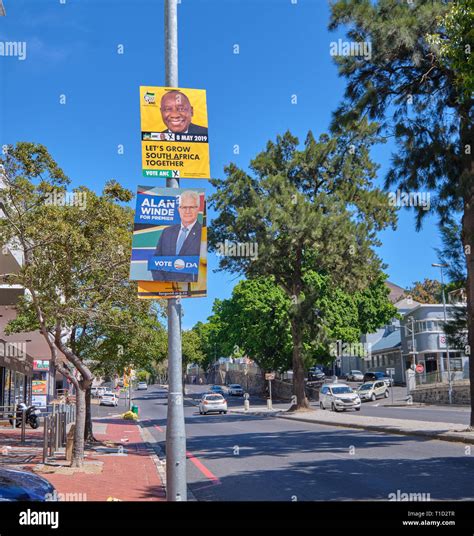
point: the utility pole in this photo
(175, 429)
(450, 386)
(2, 9)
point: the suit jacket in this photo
(192, 129)
(167, 246)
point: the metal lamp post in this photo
(450, 386)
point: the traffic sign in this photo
(420, 368)
(269, 376)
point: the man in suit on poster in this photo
(181, 239)
(177, 114)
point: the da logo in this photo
(179, 264)
(149, 97)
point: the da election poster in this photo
(174, 133)
(169, 236)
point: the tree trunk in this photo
(78, 447)
(468, 240)
(88, 431)
(301, 401)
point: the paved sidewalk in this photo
(432, 430)
(123, 468)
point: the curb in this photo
(441, 436)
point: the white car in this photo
(97, 391)
(355, 376)
(338, 397)
(234, 389)
(212, 402)
(373, 390)
(142, 386)
(108, 399)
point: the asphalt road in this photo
(239, 457)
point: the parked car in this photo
(373, 390)
(338, 396)
(108, 399)
(217, 389)
(24, 486)
(96, 392)
(234, 389)
(315, 374)
(142, 386)
(355, 376)
(212, 402)
(374, 376)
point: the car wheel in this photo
(333, 407)
(225, 412)
(373, 397)
(386, 394)
(357, 409)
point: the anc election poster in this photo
(169, 237)
(174, 133)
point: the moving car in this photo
(142, 386)
(108, 399)
(212, 402)
(217, 389)
(355, 376)
(338, 396)
(373, 390)
(234, 389)
(374, 376)
(24, 486)
(316, 374)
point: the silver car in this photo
(212, 402)
(373, 390)
(234, 389)
(338, 397)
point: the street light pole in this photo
(450, 386)
(175, 429)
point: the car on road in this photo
(108, 399)
(142, 386)
(374, 376)
(217, 389)
(235, 389)
(373, 390)
(315, 374)
(338, 397)
(212, 403)
(25, 486)
(355, 376)
(96, 392)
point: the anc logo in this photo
(149, 98)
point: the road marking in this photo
(158, 428)
(204, 470)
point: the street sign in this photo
(420, 368)
(269, 376)
(390, 371)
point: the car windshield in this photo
(214, 397)
(341, 390)
(235, 386)
(365, 387)
(356, 372)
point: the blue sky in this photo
(283, 52)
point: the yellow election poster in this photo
(174, 127)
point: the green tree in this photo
(417, 94)
(427, 291)
(75, 259)
(308, 208)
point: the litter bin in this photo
(135, 409)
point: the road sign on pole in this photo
(175, 429)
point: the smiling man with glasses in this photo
(183, 239)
